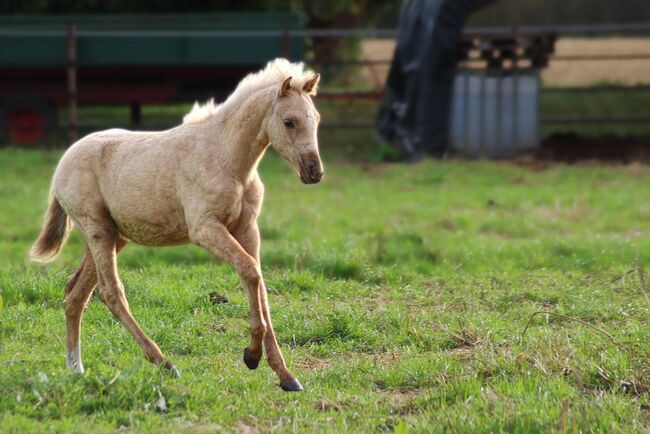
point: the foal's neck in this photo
(243, 132)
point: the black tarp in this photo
(414, 113)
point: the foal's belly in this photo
(165, 229)
(153, 235)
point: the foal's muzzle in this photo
(311, 170)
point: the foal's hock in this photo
(197, 183)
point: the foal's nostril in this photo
(313, 170)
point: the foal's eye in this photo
(288, 124)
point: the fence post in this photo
(286, 41)
(515, 91)
(136, 115)
(72, 84)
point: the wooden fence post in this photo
(286, 41)
(72, 84)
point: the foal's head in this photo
(293, 126)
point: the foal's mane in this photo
(275, 72)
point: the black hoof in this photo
(172, 370)
(292, 385)
(251, 361)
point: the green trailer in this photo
(130, 59)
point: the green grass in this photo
(399, 294)
(597, 104)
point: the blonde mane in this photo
(275, 72)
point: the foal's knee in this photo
(251, 274)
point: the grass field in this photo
(400, 295)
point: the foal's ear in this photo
(311, 85)
(286, 87)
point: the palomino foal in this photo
(195, 183)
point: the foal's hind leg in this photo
(78, 292)
(101, 239)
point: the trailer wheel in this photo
(25, 122)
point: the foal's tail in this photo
(56, 228)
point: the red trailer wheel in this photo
(26, 125)
(26, 121)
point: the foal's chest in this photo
(244, 208)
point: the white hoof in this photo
(73, 360)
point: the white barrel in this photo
(494, 114)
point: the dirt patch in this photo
(587, 72)
(571, 148)
(559, 72)
(326, 405)
(404, 402)
(308, 362)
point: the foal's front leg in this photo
(214, 237)
(249, 238)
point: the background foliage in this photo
(342, 13)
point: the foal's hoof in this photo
(172, 370)
(292, 385)
(250, 360)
